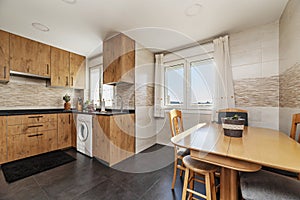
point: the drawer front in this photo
(30, 119)
(47, 141)
(31, 128)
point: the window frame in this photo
(187, 104)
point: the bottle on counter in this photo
(103, 106)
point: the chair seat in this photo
(198, 166)
(282, 172)
(183, 152)
(267, 185)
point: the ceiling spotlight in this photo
(69, 1)
(193, 9)
(40, 27)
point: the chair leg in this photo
(186, 180)
(208, 186)
(174, 174)
(191, 182)
(213, 186)
(181, 171)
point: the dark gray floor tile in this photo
(108, 190)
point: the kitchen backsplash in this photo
(126, 91)
(22, 93)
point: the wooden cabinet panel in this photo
(77, 71)
(4, 56)
(47, 141)
(118, 59)
(3, 146)
(60, 67)
(42, 60)
(64, 130)
(21, 53)
(74, 130)
(113, 137)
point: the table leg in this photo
(228, 187)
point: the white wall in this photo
(255, 55)
(145, 127)
(289, 49)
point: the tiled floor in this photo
(147, 175)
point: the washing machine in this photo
(84, 134)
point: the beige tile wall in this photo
(22, 93)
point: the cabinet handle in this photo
(71, 80)
(39, 116)
(35, 135)
(69, 119)
(67, 80)
(35, 126)
(47, 68)
(4, 72)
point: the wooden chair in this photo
(200, 168)
(176, 125)
(230, 112)
(295, 122)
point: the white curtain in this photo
(159, 86)
(224, 92)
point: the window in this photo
(94, 73)
(108, 95)
(174, 77)
(189, 83)
(202, 82)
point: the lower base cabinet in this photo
(64, 130)
(113, 138)
(3, 149)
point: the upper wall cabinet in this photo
(4, 56)
(28, 56)
(77, 71)
(118, 59)
(60, 67)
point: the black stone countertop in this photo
(109, 112)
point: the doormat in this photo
(25, 167)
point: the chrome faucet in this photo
(121, 108)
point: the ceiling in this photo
(81, 26)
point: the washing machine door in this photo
(83, 132)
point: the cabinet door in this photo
(43, 60)
(77, 71)
(47, 141)
(101, 137)
(3, 150)
(4, 56)
(22, 54)
(118, 59)
(60, 67)
(64, 130)
(74, 130)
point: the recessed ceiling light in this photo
(40, 27)
(193, 9)
(69, 1)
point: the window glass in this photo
(108, 95)
(174, 84)
(94, 84)
(202, 82)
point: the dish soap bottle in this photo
(103, 106)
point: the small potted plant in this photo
(67, 104)
(233, 126)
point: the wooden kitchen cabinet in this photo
(28, 56)
(77, 71)
(3, 146)
(29, 135)
(74, 131)
(113, 137)
(4, 56)
(64, 130)
(60, 67)
(118, 59)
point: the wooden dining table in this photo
(256, 148)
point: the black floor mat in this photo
(19, 169)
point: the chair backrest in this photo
(230, 112)
(295, 121)
(176, 123)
